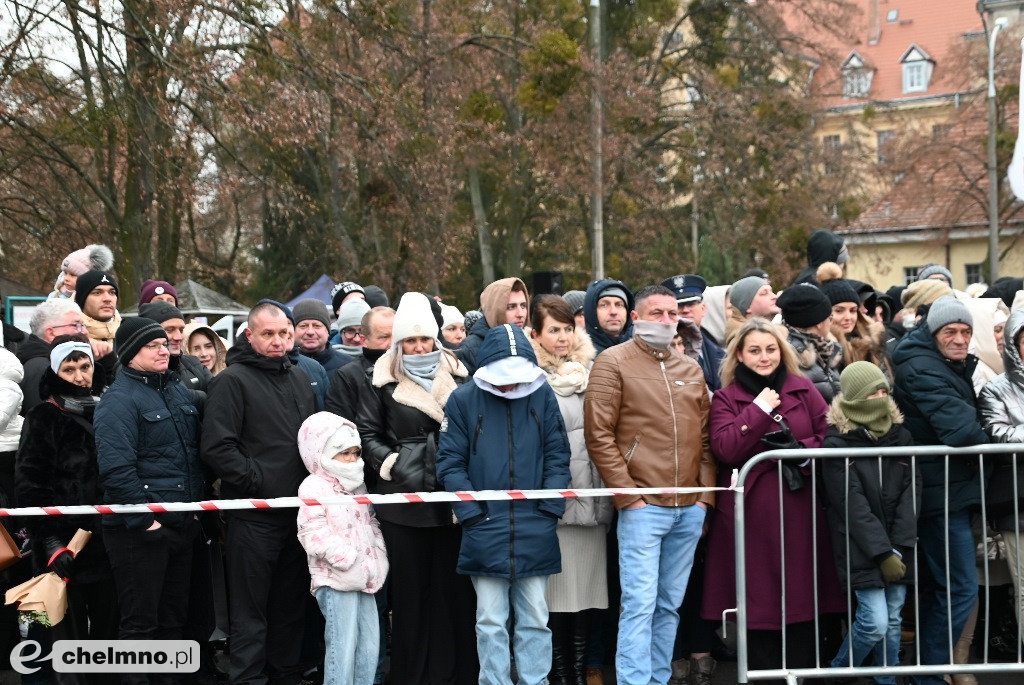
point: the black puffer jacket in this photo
(57, 465)
(880, 495)
(34, 355)
(937, 399)
(399, 416)
(254, 410)
(825, 378)
(147, 438)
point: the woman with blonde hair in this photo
(766, 403)
(433, 609)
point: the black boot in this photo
(559, 623)
(579, 640)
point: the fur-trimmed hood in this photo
(411, 394)
(837, 417)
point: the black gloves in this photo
(61, 560)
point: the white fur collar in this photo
(411, 394)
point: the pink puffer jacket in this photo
(343, 542)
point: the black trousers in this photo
(92, 615)
(151, 570)
(433, 609)
(268, 585)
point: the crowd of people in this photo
(673, 385)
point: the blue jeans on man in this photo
(494, 597)
(875, 630)
(351, 636)
(656, 547)
(942, 622)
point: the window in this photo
(884, 142)
(940, 131)
(833, 151)
(974, 273)
(856, 77)
(892, 15)
(917, 70)
(910, 274)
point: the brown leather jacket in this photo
(646, 423)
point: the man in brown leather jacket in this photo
(646, 424)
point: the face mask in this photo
(657, 335)
(909, 323)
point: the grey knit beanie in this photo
(311, 309)
(574, 298)
(935, 269)
(744, 291)
(947, 310)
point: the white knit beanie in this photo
(414, 318)
(450, 315)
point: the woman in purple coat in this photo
(761, 381)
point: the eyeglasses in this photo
(155, 346)
(352, 333)
(79, 326)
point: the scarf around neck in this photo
(872, 413)
(754, 383)
(102, 330)
(422, 368)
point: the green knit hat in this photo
(858, 381)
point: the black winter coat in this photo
(147, 439)
(937, 399)
(57, 465)
(399, 416)
(254, 410)
(880, 496)
(349, 383)
(34, 355)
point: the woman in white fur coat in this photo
(566, 354)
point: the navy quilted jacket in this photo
(147, 440)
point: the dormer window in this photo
(856, 77)
(917, 70)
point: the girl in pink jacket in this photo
(347, 560)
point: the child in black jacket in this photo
(873, 503)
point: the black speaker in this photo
(547, 282)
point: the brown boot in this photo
(962, 655)
(680, 673)
(701, 670)
(594, 676)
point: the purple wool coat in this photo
(737, 425)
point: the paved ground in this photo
(725, 674)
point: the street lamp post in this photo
(993, 179)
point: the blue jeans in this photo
(656, 546)
(875, 630)
(532, 646)
(351, 634)
(942, 621)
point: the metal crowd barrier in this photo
(910, 662)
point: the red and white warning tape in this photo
(397, 498)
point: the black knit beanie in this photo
(90, 280)
(804, 305)
(133, 333)
(160, 311)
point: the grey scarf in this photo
(422, 368)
